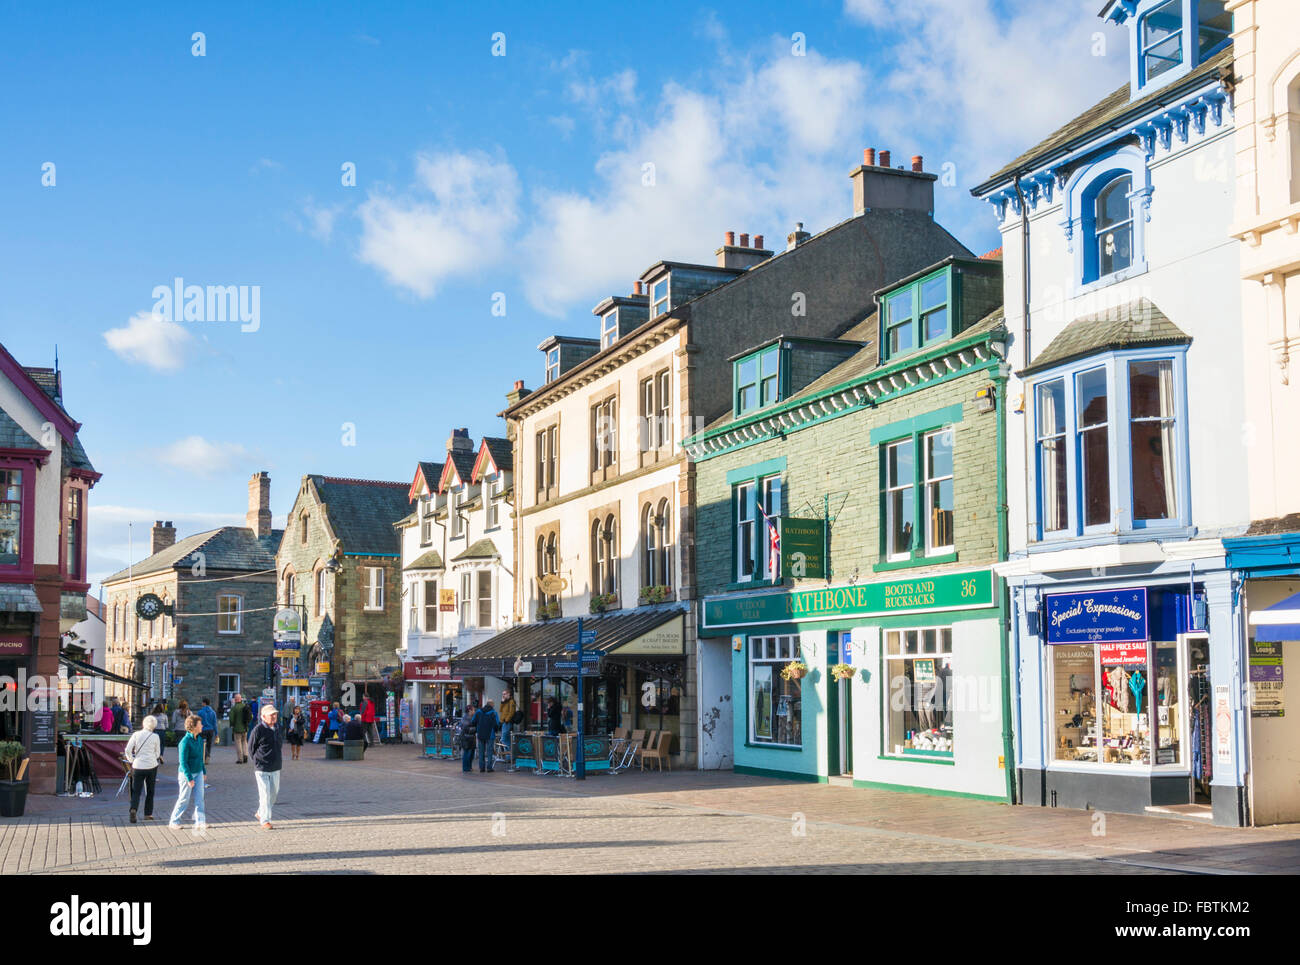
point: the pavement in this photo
(396, 812)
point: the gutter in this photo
(1008, 730)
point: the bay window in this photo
(1110, 454)
(775, 703)
(73, 532)
(484, 598)
(430, 607)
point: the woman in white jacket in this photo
(144, 751)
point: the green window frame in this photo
(758, 380)
(918, 315)
(917, 495)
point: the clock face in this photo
(149, 606)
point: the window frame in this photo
(657, 299)
(1146, 47)
(428, 507)
(604, 446)
(322, 575)
(374, 587)
(24, 565)
(777, 351)
(918, 313)
(745, 495)
(785, 648)
(1080, 198)
(552, 363)
(888, 740)
(920, 551)
(428, 605)
(482, 580)
(1122, 523)
(466, 598)
(609, 328)
(223, 615)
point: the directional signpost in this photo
(585, 638)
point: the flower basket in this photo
(548, 611)
(843, 671)
(654, 594)
(794, 670)
(602, 602)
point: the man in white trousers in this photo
(264, 749)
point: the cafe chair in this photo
(658, 752)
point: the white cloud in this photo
(457, 221)
(265, 164)
(320, 219)
(151, 341)
(197, 455)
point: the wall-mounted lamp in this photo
(985, 399)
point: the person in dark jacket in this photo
(264, 748)
(467, 738)
(485, 724)
(297, 730)
(355, 730)
(554, 718)
(240, 716)
(209, 718)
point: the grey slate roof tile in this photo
(1132, 325)
(481, 550)
(227, 548)
(362, 513)
(502, 453)
(427, 561)
(13, 436)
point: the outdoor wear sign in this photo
(949, 591)
(803, 548)
(1102, 616)
(1266, 680)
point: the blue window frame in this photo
(757, 380)
(1162, 39)
(1174, 37)
(1111, 446)
(918, 315)
(1106, 211)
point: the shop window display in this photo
(776, 707)
(918, 664)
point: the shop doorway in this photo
(12, 703)
(1200, 722)
(845, 725)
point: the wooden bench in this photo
(345, 750)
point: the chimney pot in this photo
(744, 239)
(638, 286)
(161, 536)
(869, 156)
(884, 159)
(758, 241)
(519, 384)
(731, 238)
(918, 163)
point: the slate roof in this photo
(463, 462)
(51, 383)
(427, 561)
(547, 639)
(502, 453)
(1106, 113)
(362, 513)
(227, 548)
(432, 472)
(481, 550)
(19, 598)
(1133, 325)
(13, 436)
(74, 456)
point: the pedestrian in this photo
(468, 740)
(508, 711)
(179, 715)
(554, 718)
(121, 722)
(355, 730)
(297, 730)
(190, 771)
(368, 719)
(240, 718)
(336, 722)
(144, 751)
(209, 718)
(264, 746)
(106, 718)
(485, 724)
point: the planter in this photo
(13, 798)
(794, 671)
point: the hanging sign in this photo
(803, 548)
(447, 601)
(15, 646)
(287, 627)
(1103, 616)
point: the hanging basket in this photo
(794, 670)
(844, 671)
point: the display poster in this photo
(1223, 725)
(763, 701)
(1266, 692)
(43, 735)
(1121, 654)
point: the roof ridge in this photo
(349, 481)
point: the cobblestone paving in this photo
(398, 813)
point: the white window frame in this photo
(427, 509)
(609, 328)
(466, 598)
(225, 697)
(659, 295)
(928, 481)
(889, 740)
(552, 363)
(491, 506)
(483, 580)
(892, 553)
(374, 601)
(777, 651)
(454, 497)
(663, 417)
(321, 587)
(224, 615)
(430, 607)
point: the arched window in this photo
(1112, 227)
(599, 564)
(303, 525)
(290, 587)
(664, 523)
(322, 584)
(548, 563)
(604, 555)
(1107, 206)
(656, 535)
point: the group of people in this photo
(261, 743)
(478, 730)
(361, 726)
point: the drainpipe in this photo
(1008, 734)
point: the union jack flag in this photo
(773, 544)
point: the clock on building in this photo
(149, 606)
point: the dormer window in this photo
(609, 329)
(1162, 39)
(918, 315)
(757, 379)
(1214, 27)
(552, 364)
(659, 298)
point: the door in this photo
(846, 727)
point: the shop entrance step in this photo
(840, 780)
(1182, 812)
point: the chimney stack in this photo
(259, 505)
(460, 441)
(758, 241)
(744, 239)
(730, 239)
(918, 163)
(161, 536)
(519, 390)
(732, 255)
(796, 237)
(869, 157)
(637, 290)
(880, 187)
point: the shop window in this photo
(658, 703)
(919, 505)
(1082, 461)
(11, 516)
(775, 703)
(227, 687)
(758, 530)
(918, 665)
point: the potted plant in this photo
(601, 602)
(13, 789)
(548, 611)
(794, 670)
(654, 594)
(843, 671)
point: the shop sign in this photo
(846, 647)
(295, 682)
(323, 666)
(949, 591)
(423, 670)
(447, 601)
(523, 666)
(286, 654)
(803, 548)
(287, 626)
(1266, 694)
(1100, 616)
(15, 646)
(665, 640)
(1123, 653)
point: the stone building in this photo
(848, 522)
(340, 560)
(605, 501)
(214, 637)
(45, 483)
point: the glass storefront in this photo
(919, 721)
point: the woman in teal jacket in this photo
(189, 773)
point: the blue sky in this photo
(476, 174)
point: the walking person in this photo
(554, 718)
(144, 751)
(264, 746)
(121, 722)
(468, 740)
(209, 718)
(485, 726)
(508, 709)
(179, 716)
(190, 771)
(241, 716)
(297, 731)
(336, 722)
(368, 719)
